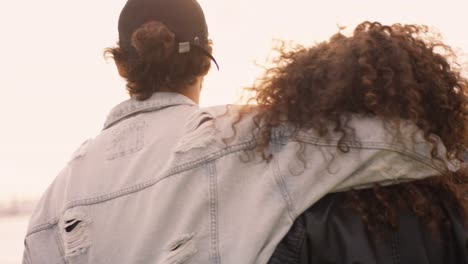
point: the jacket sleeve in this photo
(26, 257)
(305, 178)
(42, 248)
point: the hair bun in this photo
(154, 42)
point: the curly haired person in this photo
(399, 75)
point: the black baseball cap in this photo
(184, 18)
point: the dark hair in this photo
(397, 72)
(153, 64)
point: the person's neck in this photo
(192, 94)
(193, 91)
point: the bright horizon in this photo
(58, 89)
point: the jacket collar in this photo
(157, 101)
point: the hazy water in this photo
(12, 231)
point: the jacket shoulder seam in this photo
(372, 145)
(211, 157)
(42, 227)
(176, 170)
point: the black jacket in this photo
(329, 233)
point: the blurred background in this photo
(57, 88)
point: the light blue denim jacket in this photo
(159, 185)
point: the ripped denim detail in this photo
(201, 131)
(81, 151)
(181, 249)
(75, 234)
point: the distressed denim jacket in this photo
(160, 185)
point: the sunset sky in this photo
(57, 89)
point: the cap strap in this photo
(185, 47)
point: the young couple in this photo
(351, 154)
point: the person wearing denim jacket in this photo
(169, 182)
(160, 185)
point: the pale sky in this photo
(57, 89)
